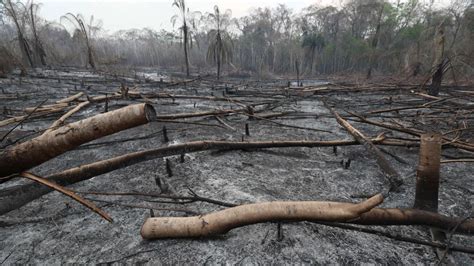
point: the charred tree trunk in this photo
(186, 58)
(427, 180)
(438, 65)
(297, 66)
(219, 50)
(390, 173)
(49, 145)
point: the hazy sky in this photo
(155, 14)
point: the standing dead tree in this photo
(40, 53)
(439, 63)
(85, 31)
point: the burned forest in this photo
(300, 132)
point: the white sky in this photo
(156, 14)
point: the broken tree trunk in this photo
(438, 65)
(427, 180)
(47, 146)
(427, 174)
(391, 174)
(223, 221)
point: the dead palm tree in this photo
(86, 31)
(220, 42)
(17, 13)
(38, 45)
(188, 19)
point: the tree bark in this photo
(47, 146)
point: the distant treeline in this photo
(378, 36)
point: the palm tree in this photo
(85, 31)
(312, 42)
(220, 42)
(188, 19)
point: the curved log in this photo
(222, 221)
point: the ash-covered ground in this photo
(55, 229)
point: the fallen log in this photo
(380, 216)
(68, 193)
(47, 146)
(14, 197)
(63, 118)
(36, 114)
(223, 221)
(390, 173)
(46, 108)
(71, 98)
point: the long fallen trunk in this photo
(363, 213)
(378, 216)
(222, 221)
(47, 146)
(15, 197)
(390, 173)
